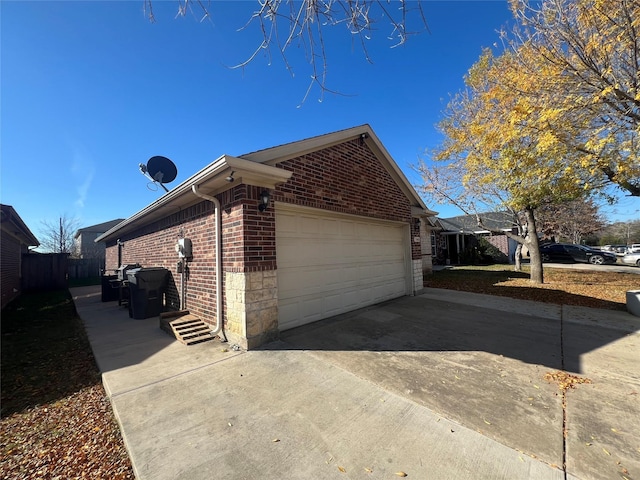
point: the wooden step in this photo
(187, 328)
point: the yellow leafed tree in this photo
(584, 58)
(554, 117)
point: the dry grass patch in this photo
(586, 288)
(56, 419)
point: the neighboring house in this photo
(458, 237)
(85, 244)
(15, 240)
(284, 236)
(429, 229)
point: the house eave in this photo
(13, 225)
(211, 180)
(471, 232)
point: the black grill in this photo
(122, 270)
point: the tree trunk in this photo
(518, 258)
(531, 242)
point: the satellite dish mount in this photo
(159, 170)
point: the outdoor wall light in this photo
(264, 200)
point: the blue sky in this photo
(91, 89)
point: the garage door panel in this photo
(308, 226)
(348, 229)
(331, 265)
(287, 309)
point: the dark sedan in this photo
(567, 252)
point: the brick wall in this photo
(416, 241)
(346, 178)
(154, 246)
(249, 245)
(249, 235)
(111, 257)
(10, 268)
(501, 242)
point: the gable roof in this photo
(15, 226)
(99, 228)
(281, 153)
(259, 168)
(468, 224)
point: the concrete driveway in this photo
(445, 385)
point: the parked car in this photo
(617, 249)
(635, 248)
(631, 259)
(568, 252)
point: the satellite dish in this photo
(161, 169)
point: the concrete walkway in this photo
(446, 385)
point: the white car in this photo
(631, 259)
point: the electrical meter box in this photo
(183, 247)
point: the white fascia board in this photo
(422, 212)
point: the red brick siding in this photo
(249, 235)
(345, 178)
(111, 257)
(10, 268)
(154, 246)
(416, 247)
(501, 242)
(249, 245)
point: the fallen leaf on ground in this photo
(565, 381)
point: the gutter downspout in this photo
(219, 321)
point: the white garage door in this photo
(330, 264)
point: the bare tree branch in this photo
(306, 23)
(58, 236)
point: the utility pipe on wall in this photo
(218, 230)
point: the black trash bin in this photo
(109, 289)
(146, 289)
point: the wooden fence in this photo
(85, 267)
(50, 271)
(46, 271)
